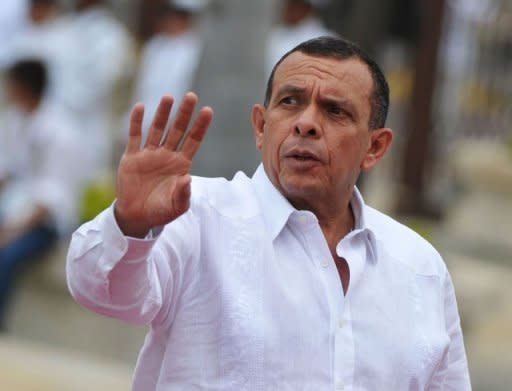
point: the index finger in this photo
(196, 135)
(135, 135)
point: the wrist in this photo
(128, 226)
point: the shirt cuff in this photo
(132, 250)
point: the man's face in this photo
(314, 134)
(16, 94)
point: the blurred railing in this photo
(476, 82)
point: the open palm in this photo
(153, 182)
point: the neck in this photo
(335, 217)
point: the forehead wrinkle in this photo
(324, 68)
(320, 70)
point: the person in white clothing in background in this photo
(47, 38)
(283, 281)
(13, 21)
(298, 22)
(39, 174)
(104, 61)
(170, 59)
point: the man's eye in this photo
(336, 110)
(289, 100)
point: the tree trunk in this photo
(231, 79)
(419, 120)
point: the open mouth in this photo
(302, 155)
(303, 158)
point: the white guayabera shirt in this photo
(242, 293)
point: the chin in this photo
(300, 187)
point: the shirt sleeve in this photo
(135, 280)
(453, 373)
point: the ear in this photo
(379, 143)
(258, 124)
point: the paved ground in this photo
(27, 366)
(484, 292)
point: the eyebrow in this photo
(290, 89)
(346, 103)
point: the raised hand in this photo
(153, 182)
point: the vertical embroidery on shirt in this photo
(424, 346)
(244, 269)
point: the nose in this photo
(308, 123)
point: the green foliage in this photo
(509, 144)
(96, 197)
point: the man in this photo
(282, 281)
(39, 174)
(170, 59)
(298, 22)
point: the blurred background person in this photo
(39, 175)
(298, 22)
(13, 20)
(47, 37)
(103, 64)
(170, 59)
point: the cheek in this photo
(346, 152)
(272, 142)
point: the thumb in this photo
(181, 195)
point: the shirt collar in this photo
(361, 223)
(277, 210)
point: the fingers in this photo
(160, 121)
(196, 135)
(192, 141)
(136, 117)
(182, 121)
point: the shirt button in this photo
(341, 323)
(324, 263)
(340, 387)
(303, 219)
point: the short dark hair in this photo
(300, 2)
(42, 2)
(31, 74)
(340, 48)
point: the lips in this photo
(302, 155)
(302, 160)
